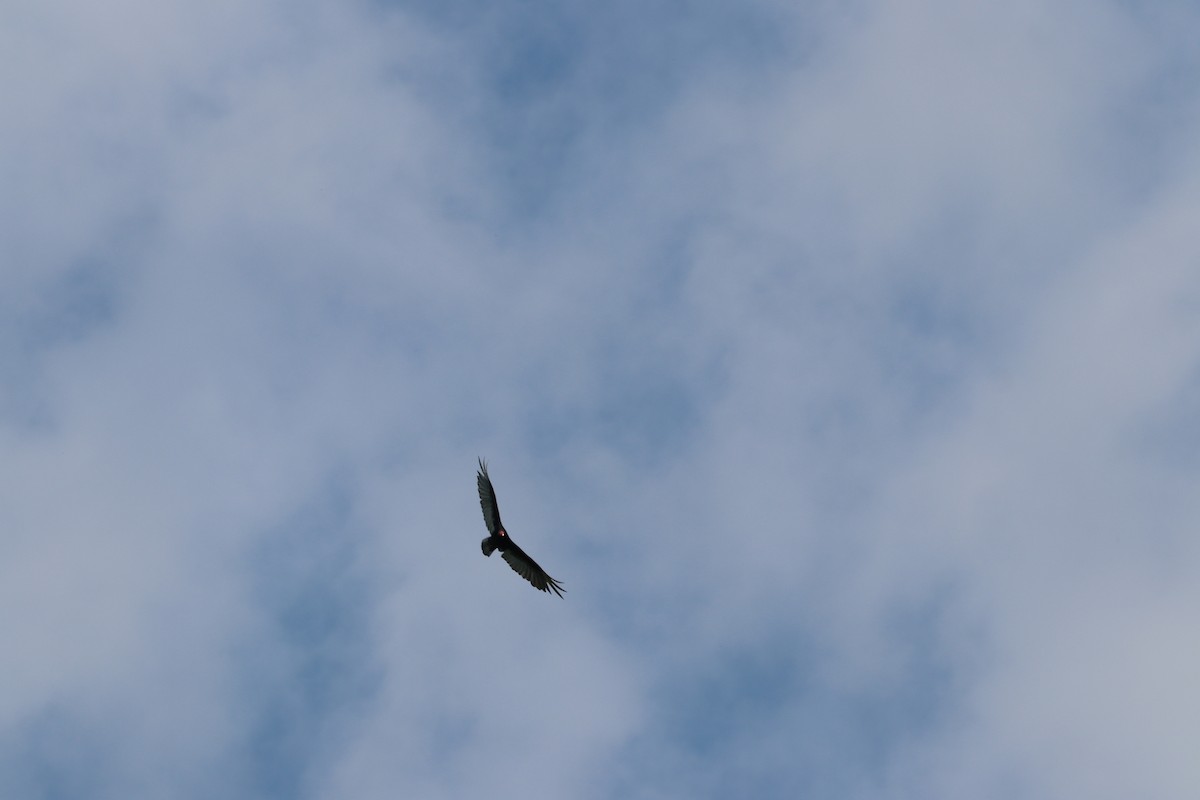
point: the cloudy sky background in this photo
(842, 360)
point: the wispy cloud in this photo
(841, 362)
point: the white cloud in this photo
(842, 365)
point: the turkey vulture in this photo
(522, 564)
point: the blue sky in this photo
(842, 361)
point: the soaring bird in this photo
(498, 539)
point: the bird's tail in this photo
(487, 545)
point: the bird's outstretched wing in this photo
(528, 569)
(487, 500)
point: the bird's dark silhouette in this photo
(498, 539)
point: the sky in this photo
(842, 360)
